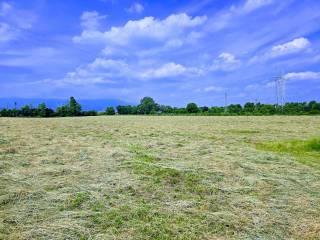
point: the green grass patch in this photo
(76, 201)
(243, 131)
(3, 141)
(150, 168)
(305, 151)
(142, 219)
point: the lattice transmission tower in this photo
(280, 90)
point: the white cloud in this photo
(14, 22)
(148, 28)
(213, 89)
(5, 8)
(290, 77)
(136, 8)
(225, 62)
(34, 57)
(18, 18)
(227, 57)
(225, 18)
(109, 67)
(109, 71)
(296, 76)
(91, 20)
(7, 33)
(295, 46)
(210, 89)
(251, 5)
(128, 43)
(167, 70)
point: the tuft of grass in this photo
(3, 141)
(313, 144)
(76, 201)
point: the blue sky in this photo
(175, 51)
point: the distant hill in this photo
(87, 104)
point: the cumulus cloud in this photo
(135, 8)
(91, 20)
(295, 46)
(109, 71)
(148, 28)
(168, 70)
(296, 76)
(125, 57)
(225, 62)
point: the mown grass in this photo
(184, 180)
(162, 177)
(305, 151)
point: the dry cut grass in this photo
(137, 177)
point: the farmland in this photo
(160, 177)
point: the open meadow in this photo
(160, 177)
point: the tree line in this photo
(71, 109)
(148, 106)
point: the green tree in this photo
(249, 107)
(110, 111)
(125, 110)
(192, 108)
(5, 112)
(234, 109)
(62, 111)
(267, 109)
(216, 111)
(26, 111)
(74, 107)
(314, 107)
(147, 105)
(42, 110)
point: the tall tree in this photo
(42, 110)
(74, 107)
(147, 106)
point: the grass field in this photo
(136, 177)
